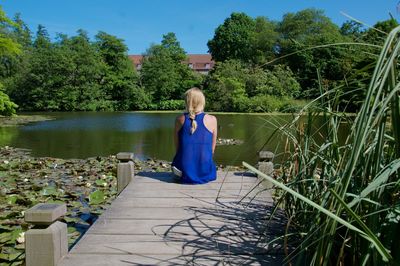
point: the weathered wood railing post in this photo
(265, 164)
(46, 243)
(125, 170)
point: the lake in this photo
(147, 134)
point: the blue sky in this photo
(141, 23)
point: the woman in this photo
(195, 139)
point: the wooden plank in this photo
(157, 221)
(129, 202)
(157, 213)
(194, 193)
(160, 213)
(191, 226)
(177, 186)
(182, 245)
(168, 177)
(168, 260)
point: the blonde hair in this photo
(195, 102)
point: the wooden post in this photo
(125, 170)
(266, 165)
(46, 243)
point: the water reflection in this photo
(7, 135)
(82, 135)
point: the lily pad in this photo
(5, 228)
(97, 197)
(71, 220)
(10, 181)
(72, 230)
(10, 237)
(11, 199)
(55, 201)
(11, 255)
(49, 191)
(101, 183)
(5, 237)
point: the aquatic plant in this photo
(342, 197)
(85, 186)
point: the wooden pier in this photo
(157, 221)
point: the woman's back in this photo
(195, 151)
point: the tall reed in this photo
(343, 196)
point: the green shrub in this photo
(291, 106)
(141, 100)
(171, 105)
(264, 103)
(7, 107)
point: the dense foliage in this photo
(342, 196)
(164, 77)
(9, 48)
(261, 66)
(233, 87)
(318, 55)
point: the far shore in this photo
(9, 121)
(24, 118)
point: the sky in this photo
(142, 23)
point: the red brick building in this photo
(137, 61)
(201, 63)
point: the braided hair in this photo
(195, 101)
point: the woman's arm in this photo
(178, 124)
(215, 132)
(211, 124)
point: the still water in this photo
(85, 134)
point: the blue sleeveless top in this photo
(194, 155)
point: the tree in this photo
(266, 39)
(87, 67)
(377, 34)
(7, 107)
(173, 47)
(159, 74)
(62, 76)
(244, 38)
(13, 63)
(47, 76)
(42, 39)
(14, 66)
(74, 73)
(363, 61)
(120, 79)
(163, 75)
(22, 32)
(235, 86)
(225, 86)
(22, 35)
(352, 29)
(301, 33)
(279, 81)
(233, 39)
(8, 48)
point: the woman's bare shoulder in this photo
(210, 122)
(211, 118)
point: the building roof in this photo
(198, 62)
(199, 58)
(136, 59)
